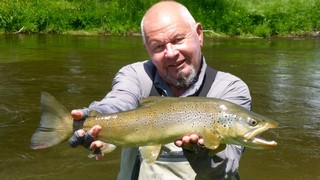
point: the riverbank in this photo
(226, 18)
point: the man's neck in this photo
(177, 91)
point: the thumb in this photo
(77, 114)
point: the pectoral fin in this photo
(107, 148)
(211, 139)
(150, 153)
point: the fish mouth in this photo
(253, 137)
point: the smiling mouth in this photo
(176, 65)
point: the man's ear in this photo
(200, 33)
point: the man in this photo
(173, 41)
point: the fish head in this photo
(243, 127)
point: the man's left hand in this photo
(189, 140)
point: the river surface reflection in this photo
(282, 74)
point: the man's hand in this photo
(189, 140)
(193, 142)
(87, 139)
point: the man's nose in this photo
(171, 51)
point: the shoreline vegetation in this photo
(220, 18)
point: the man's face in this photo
(174, 47)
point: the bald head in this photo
(165, 12)
(173, 41)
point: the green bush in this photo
(230, 17)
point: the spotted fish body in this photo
(161, 120)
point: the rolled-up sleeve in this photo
(130, 84)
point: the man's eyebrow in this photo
(155, 41)
(179, 35)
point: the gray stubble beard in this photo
(184, 81)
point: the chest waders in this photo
(209, 78)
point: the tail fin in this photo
(55, 124)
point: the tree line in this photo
(257, 18)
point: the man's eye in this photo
(158, 47)
(178, 40)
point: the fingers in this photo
(78, 119)
(192, 138)
(87, 139)
(178, 143)
(100, 148)
(91, 136)
(77, 138)
(188, 140)
(77, 114)
(95, 130)
(80, 137)
(96, 146)
(201, 142)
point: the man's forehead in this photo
(166, 19)
(162, 19)
(166, 32)
(164, 23)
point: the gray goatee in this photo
(184, 81)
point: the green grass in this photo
(259, 18)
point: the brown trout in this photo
(158, 121)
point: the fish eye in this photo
(252, 122)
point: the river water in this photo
(282, 74)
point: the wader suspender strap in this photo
(209, 77)
(203, 91)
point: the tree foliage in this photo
(228, 17)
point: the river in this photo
(282, 74)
